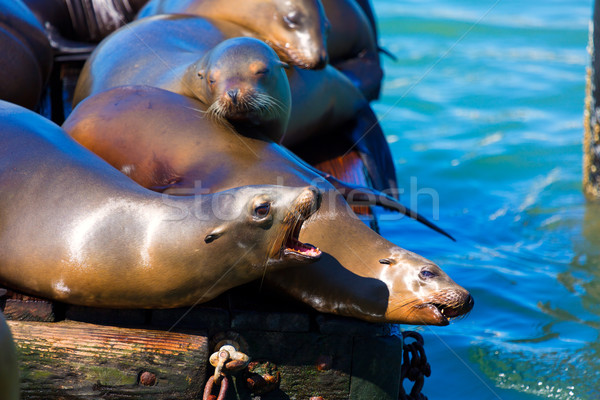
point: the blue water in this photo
(483, 111)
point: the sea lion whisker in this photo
(202, 112)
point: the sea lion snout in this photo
(421, 292)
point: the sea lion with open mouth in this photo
(156, 136)
(74, 229)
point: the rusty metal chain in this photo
(414, 366)
(209, 388)
(226, 360)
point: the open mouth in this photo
(440, 314)
(293, 246)
(306, 204)
(444, 313)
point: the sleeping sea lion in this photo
(74, 229)
(296, 30)
(351, 40)
(173, 52)
(145, 131)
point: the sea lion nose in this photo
(233, 94)
(322, 61)
(469, 303)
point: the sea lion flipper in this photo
(388, 53)
(367, 196)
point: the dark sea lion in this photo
(352, 45)
(74, 229)
(172, 52)
(296, 30)
(144, 131)
(9, 368)
(26, 55)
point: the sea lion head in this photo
(268, 218)
(362, 275)
(242, 79)
(300, 33)
(296, 29)
(420, 292)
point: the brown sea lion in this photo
(26, 55)
(351, 43)
(74, 229)
(146, 131)
(9, 368)
(239, 79)
(296, 30)
(173, 52)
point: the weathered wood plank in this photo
(78, 360)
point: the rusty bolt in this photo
(324, 363)
(147, 378)
(316, 398)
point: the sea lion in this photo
(144, 130)
(239, 79)
(173, 52)
(27, 61)
(296, 30)
(74, 229)
(9, 368)
(350, 40)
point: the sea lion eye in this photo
(262, 71)
(425, 274)
(212, 237)
(292, 19)
(262, 210)
(386, 261)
